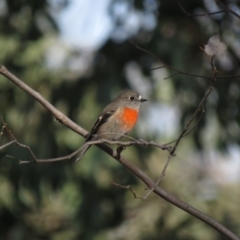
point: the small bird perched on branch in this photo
(117, 119)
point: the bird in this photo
(116, 120)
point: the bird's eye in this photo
(131, 98)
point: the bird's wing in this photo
(100, 121)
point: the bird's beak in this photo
(143, 100)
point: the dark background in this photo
(67, 200)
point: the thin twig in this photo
(179, 71)
(170, 76)
(193, 75)
(165, 65)
(199, 15)
(126, 187)
(191, 130)
(199, 107)
(96, 142)
(129, 143)
(6, 145)
(228, 9)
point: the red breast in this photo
(129, 118)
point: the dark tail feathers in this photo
(82, 151)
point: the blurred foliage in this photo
(65, 200)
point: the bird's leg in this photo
(119, 150)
